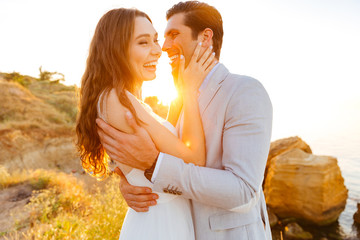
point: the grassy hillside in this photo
(33, 113)
(37, 120)
(43, 105)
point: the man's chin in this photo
(175, 72)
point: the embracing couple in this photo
(198, 174)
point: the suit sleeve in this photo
(246, 141)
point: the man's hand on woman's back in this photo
(137, 198)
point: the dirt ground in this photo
(13, 213)
(12, 207)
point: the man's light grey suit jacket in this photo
(227, 197)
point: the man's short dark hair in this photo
(198, 16)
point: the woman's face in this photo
(144, 50)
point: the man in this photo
(227, 197)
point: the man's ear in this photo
(206, 37)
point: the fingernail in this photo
(128, 115)
(153, 203)
(181, 56)
(148, 190)
(213, 53)
(155, 197)
(200, 43)
(211, 47)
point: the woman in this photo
(124, 53)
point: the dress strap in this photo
(101, 107)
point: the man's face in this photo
(178, 40)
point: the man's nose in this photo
(166, 45)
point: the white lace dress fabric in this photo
(170, 219)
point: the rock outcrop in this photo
(273, 219)
(294, 231)
(282, 145)
(305, 186)
(357, 215)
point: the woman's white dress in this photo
(170, 219)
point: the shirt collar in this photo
(207, 78)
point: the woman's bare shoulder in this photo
(115, 112)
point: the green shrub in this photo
(17, 77)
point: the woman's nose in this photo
(157, 50)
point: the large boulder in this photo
(305, 186)
(294, 231)
(357, 215)
(285, 144)
(282, 145)
(273, 219)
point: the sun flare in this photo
(165, 93)
(163, 86)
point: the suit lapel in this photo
(209, 92)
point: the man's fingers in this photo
(131, 190)
(141, 204)
(131, 121)
(107, 129)
(137, 198)
(141, 198)
(112, 152)
(120, 173)
(140, 209)
(137, 190)
(100, 132)
(106, 140)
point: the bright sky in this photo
(305, 52)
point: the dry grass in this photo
(35, 118)
(17, 177)
(32, 112)
(20, 110)
(62, 98)
(63, 209)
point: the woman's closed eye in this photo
(156, 41)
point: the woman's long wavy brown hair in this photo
(107, 67)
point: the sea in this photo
(347, 150)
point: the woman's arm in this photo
(164, 140)
(192, 130)
(192, 147)
(190, 79)
(175, 110)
